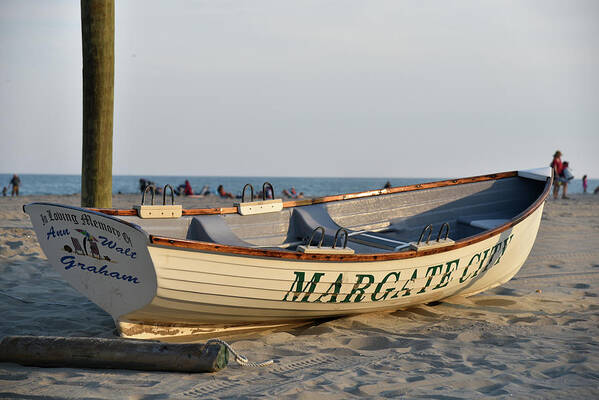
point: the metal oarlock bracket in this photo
(156, 211)
(428, 228)
(143, 195)
(258, 207)
(340, 230)
(251, 192)
(446, 241)
(320, 249)
(272, 190)
(167, 186)
(317, 229)
(445, 225)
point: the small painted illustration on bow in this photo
(87, 238)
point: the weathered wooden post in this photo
(97, 31)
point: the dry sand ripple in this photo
(535, 337)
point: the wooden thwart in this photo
(164, 211)
(324, 250)
(418, 246)
(259, 207)
(83, 352)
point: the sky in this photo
(338, 88)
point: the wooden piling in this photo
(97, 32)
(81, 352)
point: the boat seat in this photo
(306, 219)
(484, 224)
(213, 228)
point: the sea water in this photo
(34, 184)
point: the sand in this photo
(536, 337)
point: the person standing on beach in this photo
(15, 182)
(187, 191)
(558, 179)
(585, 184)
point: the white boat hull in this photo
(200, 292)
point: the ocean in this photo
(40, 184)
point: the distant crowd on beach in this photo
(185, 189)
(562, 173)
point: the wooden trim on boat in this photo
(327, 199)
(210, 211)
(281, 254)
(190, 211)
(112, 211)
(400, 189)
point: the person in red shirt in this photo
(221, 192)
(188, 191)
(558, 175)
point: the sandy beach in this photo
(536, 337)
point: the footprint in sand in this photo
(581, 286)
(505, 292)
(476, 314)
(136, 383)
(529, 320)
(556, 372)
(370, 343)
(13, 377)
(495, 302)
(495, 389)
(575, 358)
(454, 356)
(14, 245)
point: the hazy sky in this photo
(310, 88)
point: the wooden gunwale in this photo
(289, 255)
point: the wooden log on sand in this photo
(81, 352)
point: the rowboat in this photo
(162, 271)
